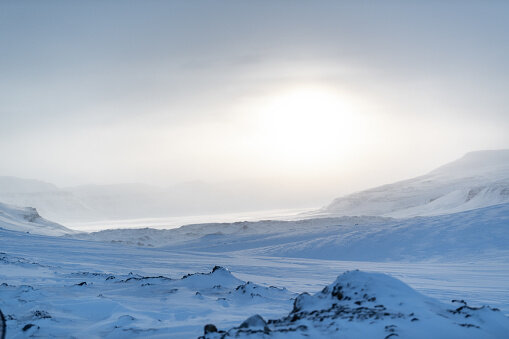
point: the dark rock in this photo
(27, 327)
(469, 325)
(255, 322)
(41, 314)
(209, 328)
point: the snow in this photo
(373, 305)
(95, 297)
(478, 179)
(85, 207)
(470, 235)
(434, 252)
(26, 219)
(96, 289)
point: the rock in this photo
(209, 328)
(255, 322)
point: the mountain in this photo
(93, 203)
(478, 179)
(51, 201)
(27, 219)
(18, 185)
(117, 201)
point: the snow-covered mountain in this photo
(10, 185)
(51, 201)
(27, 219)
(99, 203)
(478, 179)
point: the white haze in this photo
(301, 103)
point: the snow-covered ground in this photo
(247, 278)
(165, 223)
(470, 235)
(87, 289)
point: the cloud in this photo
(157, 91)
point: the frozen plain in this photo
(43, 284)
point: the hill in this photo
(479, 179)
(27, 219)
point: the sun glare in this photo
(306, 126)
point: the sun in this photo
(305, 126)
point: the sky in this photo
(316, 98)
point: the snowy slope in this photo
(26, 219)
(475, 234)
(479, 179)
(51, 201)
(479, 234)
(372, 305)
(209, 233)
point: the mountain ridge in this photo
(27, 219)
(478, 179)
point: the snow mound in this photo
(27, 219)
(91, 304)
(372, 305)
(478, 179)
(219, 277)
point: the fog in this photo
(289, 104)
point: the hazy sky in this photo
(324, 97)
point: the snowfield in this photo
(425, 276)
(60, 287)
(470, 235)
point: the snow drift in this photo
(478, 179)
(372, 305)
